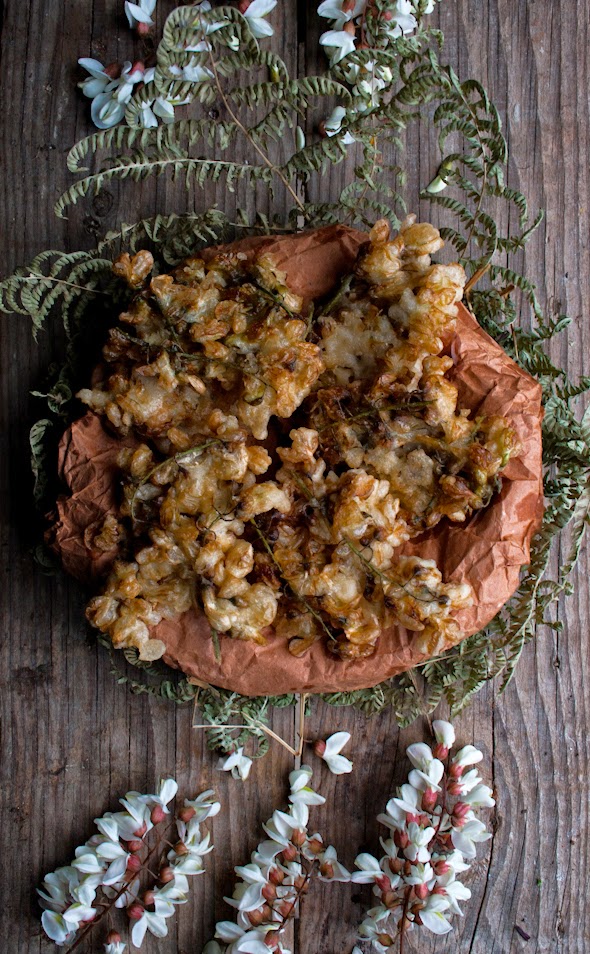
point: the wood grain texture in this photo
(73, 741)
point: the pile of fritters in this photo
(282, 457)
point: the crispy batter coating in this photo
(281, 463)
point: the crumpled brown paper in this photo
(487, 553)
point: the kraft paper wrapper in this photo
(487, 552)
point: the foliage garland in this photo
(382, 88)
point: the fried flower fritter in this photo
(281, 462)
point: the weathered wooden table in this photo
(74, 740)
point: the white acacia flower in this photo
(370, 929)
(109, 94)
(468, 781)
(248, 895)
(479, 797)
(432, 914)
(419, 839)
(240, 939)
(420, 874)
(428, 778)
(190, 862)
(330, 867)
(333, 125)
(140, 12)
(166, 792)
(205, 806)
(468, 755)
(472, 833)
(255, 14)
(114, 947)
(420, 755)
(403, 20)
(455, 892)
(57, 887)
(152, 921)
(237, 763)
(154, 108)
(332, 10)
(339, 42)
(56, 927)
(338, 764)
(301, 792)
(407, 802)
(369, 869)
(444, 733)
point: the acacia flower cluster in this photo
(106, 871)
(112, 87)
(433, 834)
(399, 18)
(279, 873)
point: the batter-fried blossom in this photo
(277, 459)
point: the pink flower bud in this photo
(389, 899)
(134, 864)
(429, 799)
(322, 129)
(255, 917)
(302, 884)
(135, 846)
(141, 831)
(243, 5)
(387, 15)
(327, 870)
(440, 751)
(461, 809)
(135, 911)
(319, 746)
(401, 839)
(315, 846)
(289, 853)
(113, 70)
(286, 908)
(395, 865)
(385, 939)
(383, 883)
(185, 814)
(149, 898)
(441, 867)
(157, 814)
(348, 6)
(276, 876)
(180, 848)
(411, 817)
(439, 890)
(456, 771)
(269, 892)
(113, 937)
(139, 65)
(143, 29)
(166, 875)
(421, 891)
(455, 788)
(349, 28)
(298, 838)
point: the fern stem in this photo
(251, 140)
(59, 281)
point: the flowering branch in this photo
(111, 862)
(435, 831)
(279, 874)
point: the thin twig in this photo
(249, 137)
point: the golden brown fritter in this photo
(282, 462)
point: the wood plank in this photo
(74, 741)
